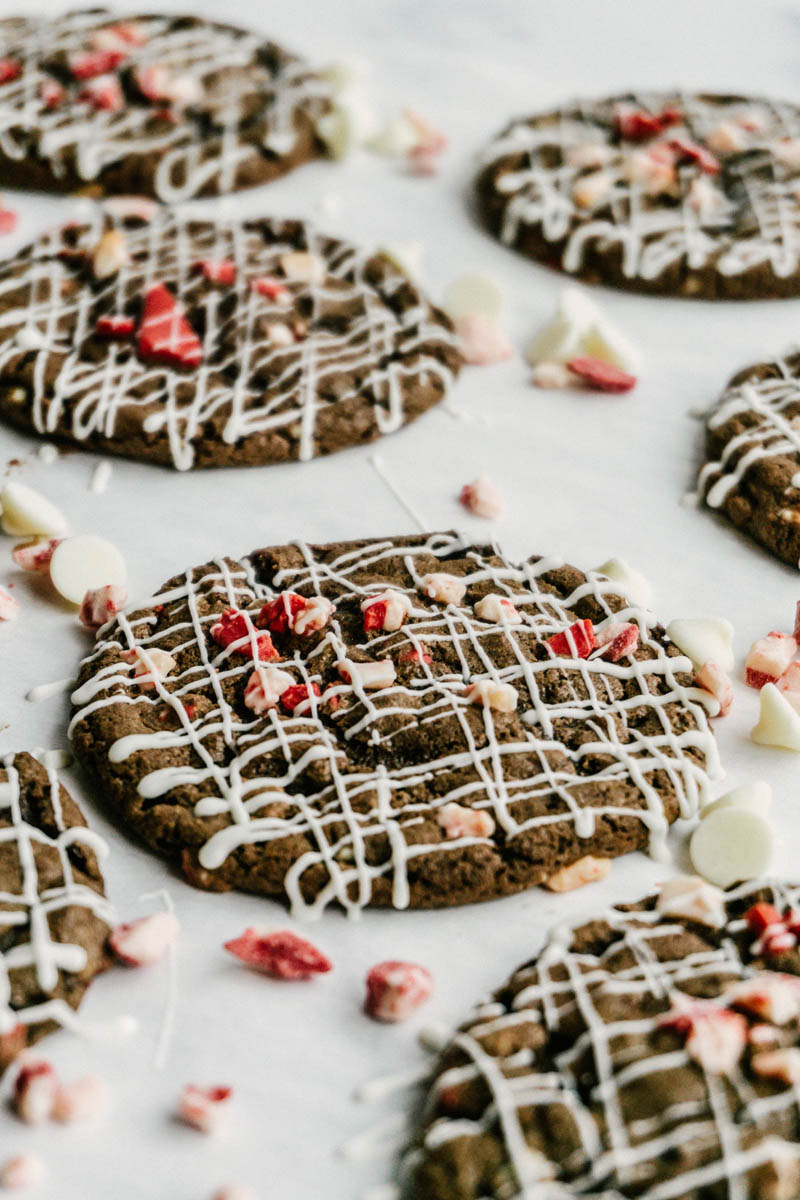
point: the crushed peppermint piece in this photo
(370, 676)
(236, 631)
(385, 611)
(712, 679)
(279, 953)
(144, 942)
(769, 657)
(34, 1092)
(576, 642)
(456, 821)
(164, 334)
(84, 1099)
(395, 990)
(299, 699)
(205, 1108)
(101, 604)
(265, 687)
(585, 870)
(149, 665)
(482, 498)
(115, 326)
(21, 1172)
(488, 693)
(483, 342)
(616, 640)
(9, 608)
(441, 586)
(601, 376)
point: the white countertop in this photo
(585, 476)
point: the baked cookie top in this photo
(161, 105)
(200, 344)
(693, 195)
(650, 1053)
(752, 468)
(406, 721)
(53, 912)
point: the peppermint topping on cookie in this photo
(385, 611)
(265, 687)
(460, 822)
(164, 334)
(101, 604)
(578, 874)
(447, 589)
(236, 631)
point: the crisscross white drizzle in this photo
(27, 912)
(375, 349)
(591, 1061)
(497, 762)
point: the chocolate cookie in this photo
(53, 910)
(166, 106)
(752, 472)
(402, 721)
(669, 193)
(197, 344)
(651, 1053)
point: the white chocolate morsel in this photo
(579, 329)
(586, 870)
(348, 124)
(634, 585)
(473, 294)
(26, 511)
(83, 563)
(405, 256)
(110, 254)
(704, 639)
(345, 73)
(695, 899)
(732, 845)
(501, 696)
(395, 138)
(756, 797)
(778, 723)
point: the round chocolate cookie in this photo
(53, 910)
(752, 468)
(158, 105)
(403, 721)
(651, 1053)
(198, 344)
(669, 193)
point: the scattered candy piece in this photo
(272, 288)
(103, 93)
(205, 1108)
(235, 1191)
(691, 897)
(579, 329)
(84, 563)
(548, 374)
(416, 653)
(789, 685)
(265, 687)
(498, 609)
(148, 665)
(439, 585)
(21, 1172)
(90, 64)
(487, 693)
(705, 198)
(27, 512)
(756, 797)
(482, 498)
(715, 1036)
(601, 376)
(460, 822)
(483, 342)
(585, 870)
(395, 990)
(386, 611)
(298, 699)
(34, 1093)
(731, 845)
(101, 604)
(299, 614)
(633, 583)
(783, 1064)
(685, 148)
(116, 326)
(712, 679)
(279, 953)
(82, 1100)
(235, 630)
(772, 997)
(9, 608)
(779, 723)
(143, 942)
(303, 266)
(109, 255)
(473, 294)
(370, 676)
(593, 190)
(769, 657)
(704, 639)
(576, 642)
(164, 333)
(617, 640)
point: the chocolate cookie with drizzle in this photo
(687, 195)
(197, 344)
(651, 1053)
(408, 721)
(159, 105)
(53, 912)
(752, 468)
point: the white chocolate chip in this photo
(395, 138)
(27, 511)
(704, 639)
(82, 563)
(473, 294)
(405, 256)
(303, 266)
(348, 124)
(635, 586)
(110, 255)
(731, 845)
(779, 723)
(755, 797)
(579, 329)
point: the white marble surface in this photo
(586, 476)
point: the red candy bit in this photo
(233, 627)
(601, 376)
(10, 70)
(35, 1091)
(101, 604)
(35, 556)
(143, 942)
(713, 679)
(576, 642)
(278, 615)
(395, 990)
(761, 916)
(95, 62)
(103, 93)
(416, 654)
(687, 149)
(217, 271)
(374, 616)
(205, 1108)
(115, 326)
(164, 334)
(617, 640)
(8, 220)
(272, 288)
(279, 953)
(51, 93)
(636, 125)
(299, 697)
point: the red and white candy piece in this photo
(715, 1036)
(601, 376)
(418, 653)
(483, 342)
(693, 898)
(441, 586)
(498, 609)
(652, 170)
(693, 152)
(770, 996)
(21, 1172)
(165, 335)
(205, 1108)
(488, 693)
(782, 1064)
(26, 511)
(34, 1093)
(789, 685)
(304, 266)
(298, 699)
(148, 664)
(110, 255)
(616, 640)
(395, 990)
(776, 932)
(85, 563)
(279, 953)
(302, 615)
(779, 722)
(459, 822)
(585, 870)
(119, 35)
(115, 326)
(265, 687)
(769, 657)
(103, 93)
(9, 608)
(385, 611)
(482, 498)
(217, 270)
(712, 679)
(578, 641)
(637, 124)
(84, 1099)
(371, 676)
(731, 845)
(101, 604)
(235, 630)
(143, 942)
(705, 198)
(272, 288)
(704, 639)
(10, 69)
